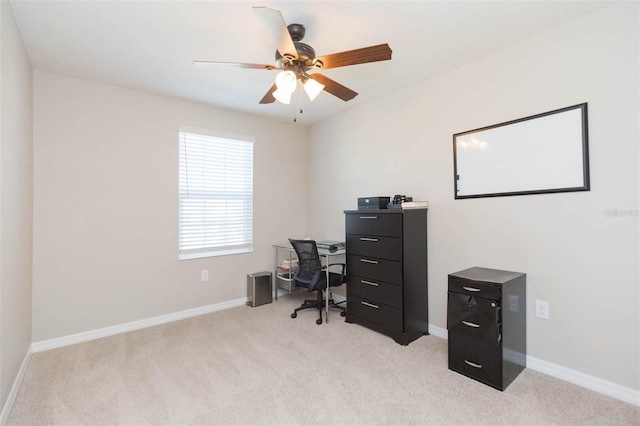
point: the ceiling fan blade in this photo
(274, 23)
(268, 97)
(381, 52)
(335, 88)
(205, 64)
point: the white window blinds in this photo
(216, 196)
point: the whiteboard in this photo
(542, 153)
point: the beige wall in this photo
(581, 260)
(15, 201)
(105, 205)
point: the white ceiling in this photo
(150, 45)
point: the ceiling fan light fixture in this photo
(282, 96)
(286, 81)
(313, 88)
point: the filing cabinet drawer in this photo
(374, 246)
(374, 290)
(384, 270)
(475, 288)
(382, 225)
(377, 313)
(474, 318)
(479, 361)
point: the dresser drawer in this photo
(381, 269)
(374, 290)
(374, 246)
(475, 288)
(379, 314)
(376, 224)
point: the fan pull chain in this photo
(297, 101)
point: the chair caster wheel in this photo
(343, 314)
(294, 315)
(318, 321)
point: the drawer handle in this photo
(471, 324)
(368, 217)
(473, 364)
(375, 262)
(369, 283)
(373, 240)
(471, 288)
(371, 305)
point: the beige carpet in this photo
(258, 366)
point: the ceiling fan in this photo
(297, 60)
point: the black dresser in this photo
(387, 271)
(487, 323)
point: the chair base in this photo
(319, 304)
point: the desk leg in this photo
(274, 284)
(326, 309)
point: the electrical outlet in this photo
(542, 309)
(204, 275)
(514, 303)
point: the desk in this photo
(291, 253)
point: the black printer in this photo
(373, 203)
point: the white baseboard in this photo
(134, 325)
(339, 298)
(438, 332)
(8, 405)
(595, 384)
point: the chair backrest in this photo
(309, 266)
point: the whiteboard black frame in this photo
(584, 143)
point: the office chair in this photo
(312, 275)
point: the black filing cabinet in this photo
(486, 319)
(387, 271)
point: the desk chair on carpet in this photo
(312, 275)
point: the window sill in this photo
(189, 256)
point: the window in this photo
(216, 196)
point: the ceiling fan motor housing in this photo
(306, 54)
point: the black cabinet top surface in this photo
(378, 211)
(487, 275)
